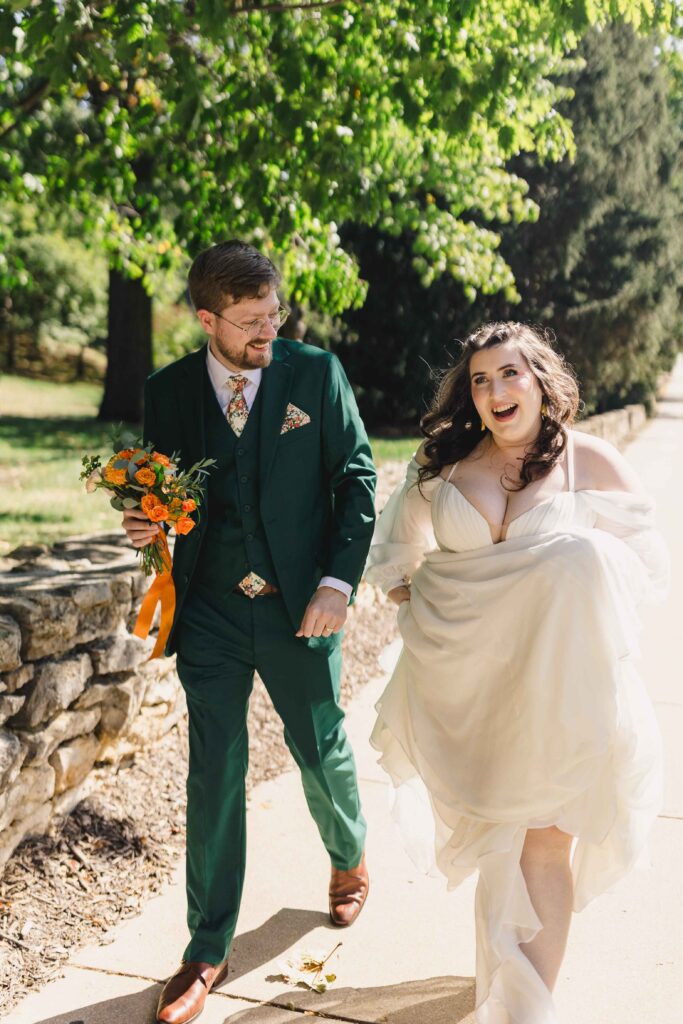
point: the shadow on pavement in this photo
(427, 1001)
(253, 949)
(137, 1008)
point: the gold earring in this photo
(483, 426)
(544, 408)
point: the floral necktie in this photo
(238, 410)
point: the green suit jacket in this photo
(317, 482)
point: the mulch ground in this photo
(100, 864)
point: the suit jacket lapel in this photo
(276, 384)
(191, 407)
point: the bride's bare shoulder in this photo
(599, 466)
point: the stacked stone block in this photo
(76, 688)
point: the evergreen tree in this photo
(402, 333)
(600, 266)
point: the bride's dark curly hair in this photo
(448, 438)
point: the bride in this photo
(518, 552)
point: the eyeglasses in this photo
(253, 329)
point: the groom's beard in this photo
(245, 356)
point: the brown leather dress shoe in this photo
(183, 996)
(348, 891)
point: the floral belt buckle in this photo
(252, 585)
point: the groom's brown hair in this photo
(229, 272)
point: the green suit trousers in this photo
(220, 644)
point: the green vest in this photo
(315, 483)
(235, 542)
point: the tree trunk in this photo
(129, 349)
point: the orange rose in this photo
(149, 502)
(189, 505)
(158, 513)
(146, 477)
(184, 525)
(114, 476)
(127, 453)
(163, 460)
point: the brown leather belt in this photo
(269, 588)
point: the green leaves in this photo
(180, 124)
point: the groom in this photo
(262, 583)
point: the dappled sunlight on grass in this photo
(45, 429)
(47, 438)
(20, 396)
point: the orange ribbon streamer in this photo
(161, 592)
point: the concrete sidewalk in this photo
(410, 957)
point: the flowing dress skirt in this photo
(515, 704)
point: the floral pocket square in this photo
(294, 417)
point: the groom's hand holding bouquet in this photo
(154, 497)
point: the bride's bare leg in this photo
(546, 869)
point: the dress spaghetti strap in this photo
(570, 460)
(451, 472)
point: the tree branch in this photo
(277, 8)
(34, 99)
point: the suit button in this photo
(186, 577)
(247, 508)
(250, 536)
(240, 451)
(243, 479)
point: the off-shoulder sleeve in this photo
(403, 533)
(631, 518)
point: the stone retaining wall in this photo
(59, 362)
(76, 689)
(617, 426)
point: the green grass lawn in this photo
(45, 428)
(392, 449)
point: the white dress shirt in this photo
(219, 376)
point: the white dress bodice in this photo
(459, 526)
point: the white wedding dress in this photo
(515, 704)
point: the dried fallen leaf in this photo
(308, 970)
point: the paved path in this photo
(410, 957)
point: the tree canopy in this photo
(163, 126)
(600, 266)
(172, 124)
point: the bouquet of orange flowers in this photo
(140, 477)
